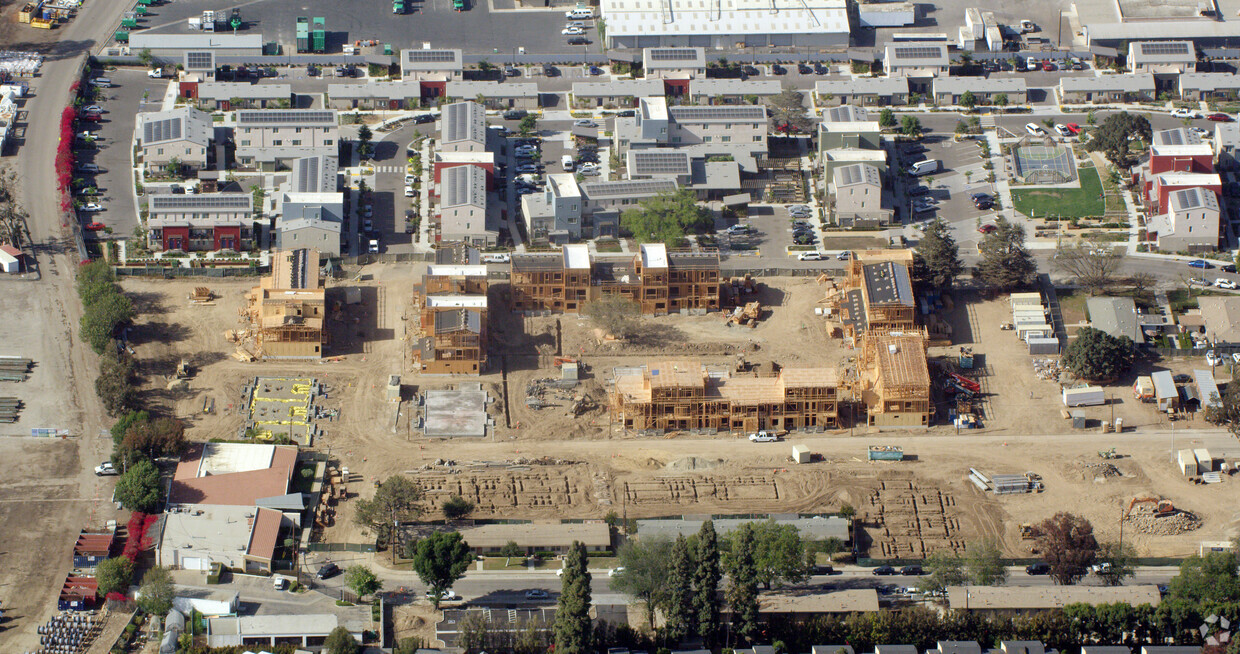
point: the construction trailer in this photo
(1143, 389)
(659, 280)
(1165, 393)
(800, 454)
(1205, 462)
(287, 309)
(1084, 396)
(894, 380)
(686, 396)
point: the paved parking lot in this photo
(390, 203)
(132, 91)
(960, 175)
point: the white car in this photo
(1027, 26)
(1198, 281)
(576, 23)
(844, 256)
(155, 73)
(496, 257)
(809, 256)
(616, 571)
(1212, 360)
(409, 179)
(584, 122)
(763, 436)
(1035, 129)
(446, 596)
(87, 135)
(92, 206)
(1203, 133)
(738, 229)
(408, 191)
(572, 31)
(586, 167)
(106, 469)
(1062, 130)
(1185, 113)
(1225, 283)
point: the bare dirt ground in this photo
(550, 464)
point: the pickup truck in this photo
(764, 436)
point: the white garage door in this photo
(194, 563)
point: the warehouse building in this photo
(753, 23)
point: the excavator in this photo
(1162, 507)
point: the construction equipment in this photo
(303, 34)
(966, 358)
(234, 21)
(1161, 507)
(1027, 533)
(183, 371)
(1107, 454)
(746, 315)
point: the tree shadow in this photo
(656, 335)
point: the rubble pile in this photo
(1104, 470)
(1146, 521)
(1048, 369)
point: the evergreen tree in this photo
(743, 590)
(941, 255)
(1006, 263)
(706, 583)
(572, 617)
(679, 616)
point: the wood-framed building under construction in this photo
(686, 395)
(895, 381)
(451, 305)
(877, 294)
(660, 281)
(286, 310)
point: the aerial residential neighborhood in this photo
(620, 327)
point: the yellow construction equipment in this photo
(1161, 507)
(1026, 532)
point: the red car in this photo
(1048, 65)
(1074, 128)
(94, 118)
(986, 229)
(94, 227)
(1221, 118)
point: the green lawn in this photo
(1067, 202)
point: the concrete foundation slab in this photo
(460, 413)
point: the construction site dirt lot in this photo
(550, 464)
(48, 493)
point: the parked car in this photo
(409, 191)
(578, 40)
(820, 69)
(763, 436)
(911, 570)
(804, 239)
(512, 72)
(1073, 128)
(844, 256)
(1038, 568)
(822, 570)
(627, 113)
(1228, 267)
(987, 228)
(496, 257)
(750, 71)
(106, 469)
(776, 69)
(445, 596)
(1225, 283)
(1185, 113)
(1200, 132)
(92, 207)
(1200, 263)
(422, 119)
(595, 70)
(739, 229)
(800, 210)
(1062, 130)
(573, 31)
(584, 122)
(884, 571)
(1220, 118)
(1212, 360)
(1198, 281)
(515, 114)
(810, 256)
(616, 571)
(527, 168)
(95, 226)
(328, 571)
(804, 69)
(536, 594)
(917, 190)
(1035, 129)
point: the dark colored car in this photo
(986, 229)
(918, 190)
(515, 114)
(823, 570)
(627, 113)
(820, 69)
(1038, 568)
(915, 148)
(327, 571)
(1200, 263)
(776, 69)
(1182, 378)
(578, 40)
(1228, 268)
(422, 119)
(750, 70)
(911, 571)
(804, 69)
(884, 570)
(511, 72)
(980, 196)
(985, 205)
(549, 70)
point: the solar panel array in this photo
(660, 163)
(849, 175)
(918, 52)
(459, 182)
(1164, 48)
(430, 56)
(200, 60)
(721, 112)
(610, 189)
(220, 202)
(277, 117)
(157, 131)
(673, 54)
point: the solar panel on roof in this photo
(199, 60)
(272, 117)
(603, 189)
(1164, 48)
(673, 54)
(201, 202)
(155, 131)
(661, 163)
(923, 52)
(430, 56)
(718, 113)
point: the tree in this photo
(1005, 263)
(943, 569)
(457, 507)
(779, 554)
(706, 583)
(1068, 546)
(155, 438)
(910, 126)
(127, 420)
(1001, 99)
(114, 575)
(941, 255)
(101, 317)
(847, 511)
(364, 148)
(486, 66)
(1097, 355)
(645, 564)
(138, 488)
(529, 122)
(1142, 282)
(1092, 264)
(1227, 410)
(511, 550)
(1210, 579)
(968, 100)
(340, 641)
(572, 616)
(396, 500)
(1111, 137)
(887, 118)
(788, 108)
(440, 559)
(667, 217)
(984, 563)
(743, 589)
(156, 591)
(1118, 561)
(114, 384)
(679, 618)
(614, 314)
(361, 580)
(831, 547)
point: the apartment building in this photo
(659, 281)
(1195, 87)
(555, 214)
(451, 303)
(736, 131)
(463, 214)
(1161, 57)
(866, 91)
(1127, 87)
(615, 93)
(985, 90)
(230, 96)
(876, 297)
(431, 65)
(182, 135)
(201, 223)
(1191, 222)
(674, 63)
(271, 139)
(463, 127)
(687, 395)
(919, 63)
(859, 200)
(310, 220)
(287, 309)
(895, 381)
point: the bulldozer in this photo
(1026, 532)
(1161, 507)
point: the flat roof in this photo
(915, 54)
(717, 113)
(856, 600)
(492, 89)
(183, 41)
(577, 256)
(1048, 597)
(685, 18)
(1161, 52)
(538, 534)
(244, 90)
(431, 59)
(201, 202)
(664, 58)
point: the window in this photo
(245, 142)
(724, 139)
(297, 130)
(707, 139)
(675, 139)
(277, 142)
(757, 137)
(161, 151)
(296, 142)
(327, 142)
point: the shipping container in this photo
(1042, 345)
(1084, 396)
(1187, 462)
(1205, 463)
(886, 453)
